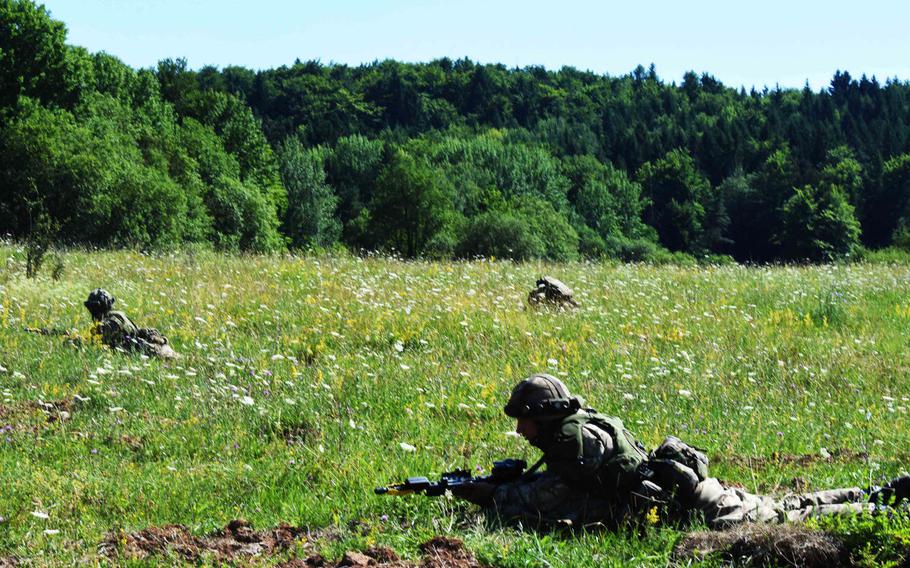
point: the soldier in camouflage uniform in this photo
(119, 332)
(551, 291)
(597, 472)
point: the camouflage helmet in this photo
(542, 397)
(99, 301)
(554, 286)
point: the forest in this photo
(445, 159)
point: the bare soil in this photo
(766, 545)
(438, 552)
(238, 540)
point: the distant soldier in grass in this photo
(549, 290)
(118, 331)
(597, 472)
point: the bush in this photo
(631, 250)
(590, 244)
(502, 235)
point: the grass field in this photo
(306, 382)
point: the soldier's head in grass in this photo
(99, 303)
(538, 402)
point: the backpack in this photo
(676, 450)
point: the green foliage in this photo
(500, 235)
(818, 224)
(895, 198)
(678, 194)
(34, 60)
(409, 205)
(604, 196)
(310, 216)
(352, 166)
(113, 153)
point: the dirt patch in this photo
(765, 545)
(439, 552)
(837, 455)
(237, 539)
(445, 552)
(8, 562)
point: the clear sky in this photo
(764, 42)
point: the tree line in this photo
(446, 159)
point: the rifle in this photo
(49, 331)
(503, 472)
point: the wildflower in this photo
(407, 447)
(40, 515)
(685, 393)
(399, 346)
(51, 531)
(651, 517)
(247, 400)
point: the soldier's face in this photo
(527, 428)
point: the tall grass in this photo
(305, 382)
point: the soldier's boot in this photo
(893, 492)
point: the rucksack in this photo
(676, 450)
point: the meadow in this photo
(305, 382)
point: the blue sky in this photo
(756, 43)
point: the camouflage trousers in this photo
(726, 506)
(547, 499)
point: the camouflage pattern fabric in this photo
(546, 498)
(591, 472)
(118, 331)
(726, 506)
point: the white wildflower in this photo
(247, 400)
(407, 447)
(40, 515)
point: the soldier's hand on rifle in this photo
(478, 492)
